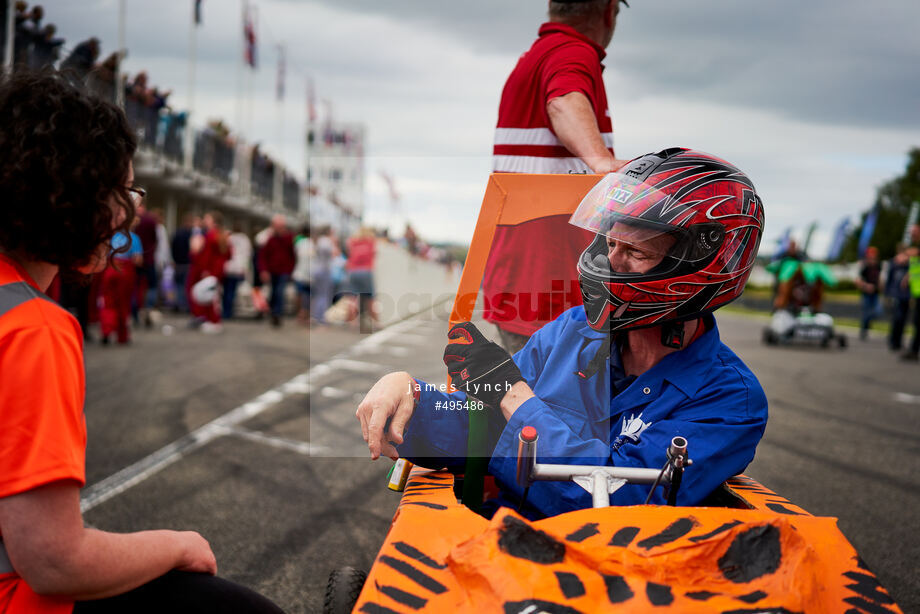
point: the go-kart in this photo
(805, 327)
(798, 317)
(745, 549)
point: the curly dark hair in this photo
(63, 154)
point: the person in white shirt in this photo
(303, 250)
(237, 268)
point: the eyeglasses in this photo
(137, 194)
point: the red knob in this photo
(529, 433)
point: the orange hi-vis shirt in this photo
(42, 428)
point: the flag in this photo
(391, 187)
(279, 88)
(808, 235)
(868, 230)
(311, 101)
(249, 37)
(197, 12)
(840, 238)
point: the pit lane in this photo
(287, 494)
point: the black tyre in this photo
(769, 337)
(342, 590)
(842, 341)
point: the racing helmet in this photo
(677, 233)
(204, 291)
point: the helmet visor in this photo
(642, 232)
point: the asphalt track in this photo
(249, 437)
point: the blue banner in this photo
(867, 231)
(840, 238)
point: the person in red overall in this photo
(65, 189)
(209, 254)
(118, 283)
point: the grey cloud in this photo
(832, 61)
(844, 62)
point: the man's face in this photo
(636, 250)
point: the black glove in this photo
(478, 366)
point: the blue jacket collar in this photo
(684, 369)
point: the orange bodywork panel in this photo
(441, 557)
(510, 199)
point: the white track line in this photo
(333, 393)
(152, 464)
(282, 443)
(360, 366)
(904, 397)
(226, 424)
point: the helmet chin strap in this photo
(672, 335)
(599, 360)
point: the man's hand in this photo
(572, 118)
(390, 400)
(605, 165)
(479, 367)
(197, 556)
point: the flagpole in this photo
(10, 34)
(308, 147)
(239, 70)
(279, 99)
(122, 52)
(253, 20)
(192, 62)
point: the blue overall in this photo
(704, 393)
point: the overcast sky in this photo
(818, 101)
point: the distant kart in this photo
(799, 318)
(806, 327)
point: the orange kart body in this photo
(764, 555)
(751, 551)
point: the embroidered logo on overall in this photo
(632, 429)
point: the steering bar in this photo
(600, 480)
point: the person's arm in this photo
(437, 427)
(56, 555)
(572, 118)
(393, 426)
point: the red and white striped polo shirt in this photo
(531, 274)
(560, 61)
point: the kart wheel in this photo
(769, 337)
(342, 590)
(842, 341)
(826, 341)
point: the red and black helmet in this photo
(689, 225)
